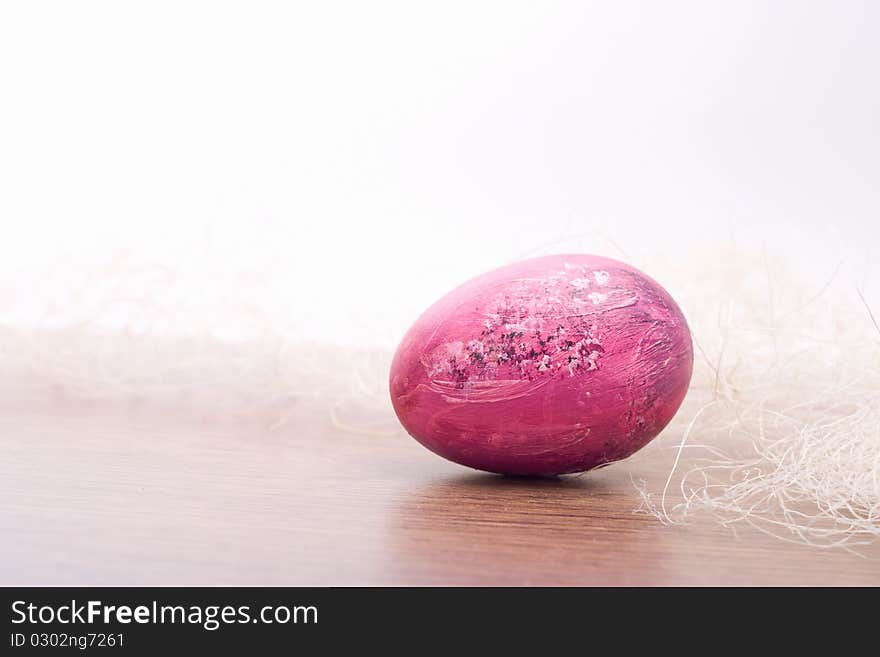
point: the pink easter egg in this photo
(548, 366)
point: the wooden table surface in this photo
(129, 493)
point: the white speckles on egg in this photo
(601, 277)
(597, 297)
(476, 347)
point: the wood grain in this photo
(110, 493)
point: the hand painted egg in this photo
(547, 366)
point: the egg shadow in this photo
(485, 529)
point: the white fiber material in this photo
(781, 428)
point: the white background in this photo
(329, 169)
